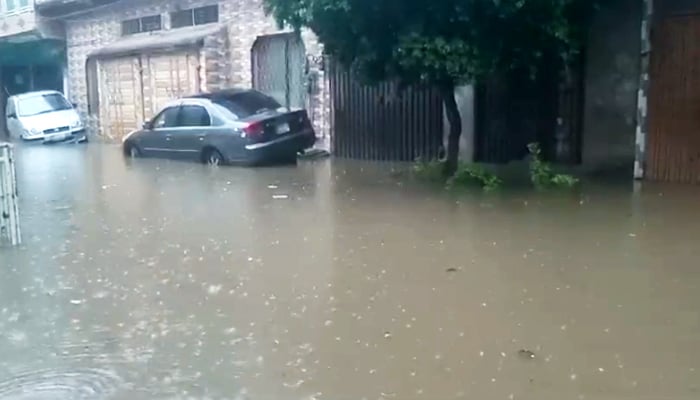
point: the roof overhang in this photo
(161, 41)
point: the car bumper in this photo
(57, 137)
(78, 135)
(281, 147)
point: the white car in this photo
(45, 115)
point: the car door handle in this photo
(168, 137)
(201, 138)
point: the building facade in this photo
(126, 58)
(32, 52)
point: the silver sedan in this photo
(224, 127)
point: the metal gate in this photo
(513, 110)
(673, 152)
(278, 63)
(9, 213)
(377, 123)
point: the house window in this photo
(145, 24)
(14, 5)
(195, 16)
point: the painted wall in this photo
(612, 81)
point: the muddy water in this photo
(161, 280)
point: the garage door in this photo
(121, 101)
(167, 77)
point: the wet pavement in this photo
(151, 279)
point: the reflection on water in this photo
(160, 280)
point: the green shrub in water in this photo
(474, 175)
(543, 176)
(467, 175)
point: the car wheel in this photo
(132, 151)
(213, 157)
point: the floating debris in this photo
(451, 270)
(313, 154)
(526, 354)
(215, 289)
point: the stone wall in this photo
(245, 20)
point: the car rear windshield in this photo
(246, 104)
(43, 104)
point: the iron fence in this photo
(9, 212)
(379, 123)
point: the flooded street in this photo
(150, 279)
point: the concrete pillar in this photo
(464, 96)
(4, 135)
(642, 96)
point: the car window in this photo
(42, 104)
(194, 116)
(246, 104)
(166, 119)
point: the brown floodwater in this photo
(152, 279)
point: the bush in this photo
(467, 175)
(474, 175)
(543, 176)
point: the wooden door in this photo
(168, 77)
(121, 100)
(673, 153)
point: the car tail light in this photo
(254, 129)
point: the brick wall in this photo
(245, 20)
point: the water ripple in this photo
(48, 384)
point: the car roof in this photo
(35, 94)
(219, 93)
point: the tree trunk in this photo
(455, 121)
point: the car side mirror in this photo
(11, 115)
(148, 125)
(75, 105)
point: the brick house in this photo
(125, 58)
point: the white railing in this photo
(9, 212)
